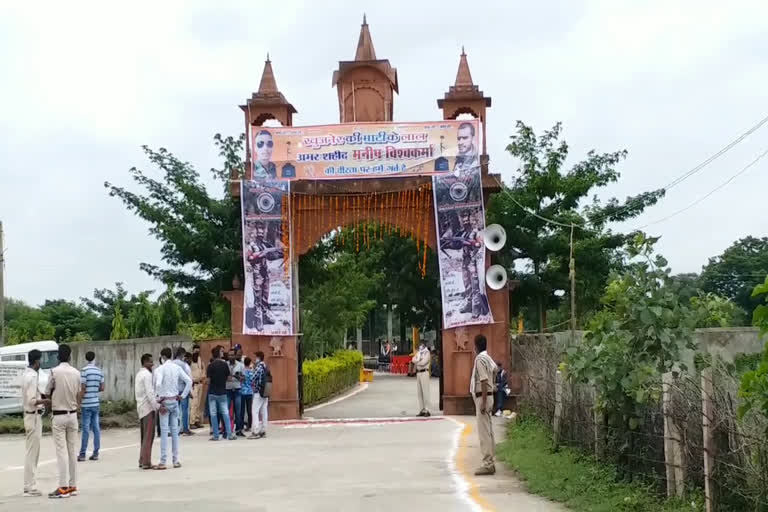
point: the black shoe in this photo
(81, 458)
(240, 434)
(95, 456)
(426, 414)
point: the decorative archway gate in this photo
(403, 203)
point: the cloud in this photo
(84, 84)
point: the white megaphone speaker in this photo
(494, 237)
(496, 277)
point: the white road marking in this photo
(354, 422)
(355, 391)
(459, 481)
(51, 461)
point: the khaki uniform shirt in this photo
(421, 359)
(29, 392)
(63, 387)
(484, 370)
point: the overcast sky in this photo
(84, 84)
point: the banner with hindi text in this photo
(364, 150)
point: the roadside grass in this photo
(575, 479)
(114, 414)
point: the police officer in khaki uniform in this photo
(33, 421)
(421, 362)
(481, 387)
(64, 390)
(198, 384)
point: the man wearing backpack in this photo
(262, 388)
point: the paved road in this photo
(322, 466)
(388, 396)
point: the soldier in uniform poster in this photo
(260, 251)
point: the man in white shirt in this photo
(167, 378)
(184, 404)
(146, 405)
(33, 422)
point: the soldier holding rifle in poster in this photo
(259, 252)
(470, 241)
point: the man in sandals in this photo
(146, 406)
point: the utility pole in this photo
(2, 289)
(572, 275)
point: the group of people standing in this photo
(236, 401)
(68, 390)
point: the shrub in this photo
(327, 376)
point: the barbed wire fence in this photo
(691, 440)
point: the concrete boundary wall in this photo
(120, 360)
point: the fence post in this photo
(707, 421)
(673, 446)
(599, 420)
(556, 423)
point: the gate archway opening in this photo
(366, 87)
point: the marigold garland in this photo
(368, 222)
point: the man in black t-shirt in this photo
(217, 373)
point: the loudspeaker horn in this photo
(496, 277)
(494, 237)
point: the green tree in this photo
(103, 305)
(170, 312)
(688, 284)
(119, 330)
(543, 186)
(142, 322)
(754, 384)
(639, 335)
(199, 232)
(25, 323)
(69, 320)
(332, 306)
(715, 311)
(736, 272)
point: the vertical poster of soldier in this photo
(266, 258)
(460, 219)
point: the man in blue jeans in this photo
(181, 362)
(218, 374)
(236, 369)
(167, 378)
(91, 384)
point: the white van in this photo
(13, 361)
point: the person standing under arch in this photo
(421, 362)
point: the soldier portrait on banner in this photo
(460, 221)
(268, 296)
